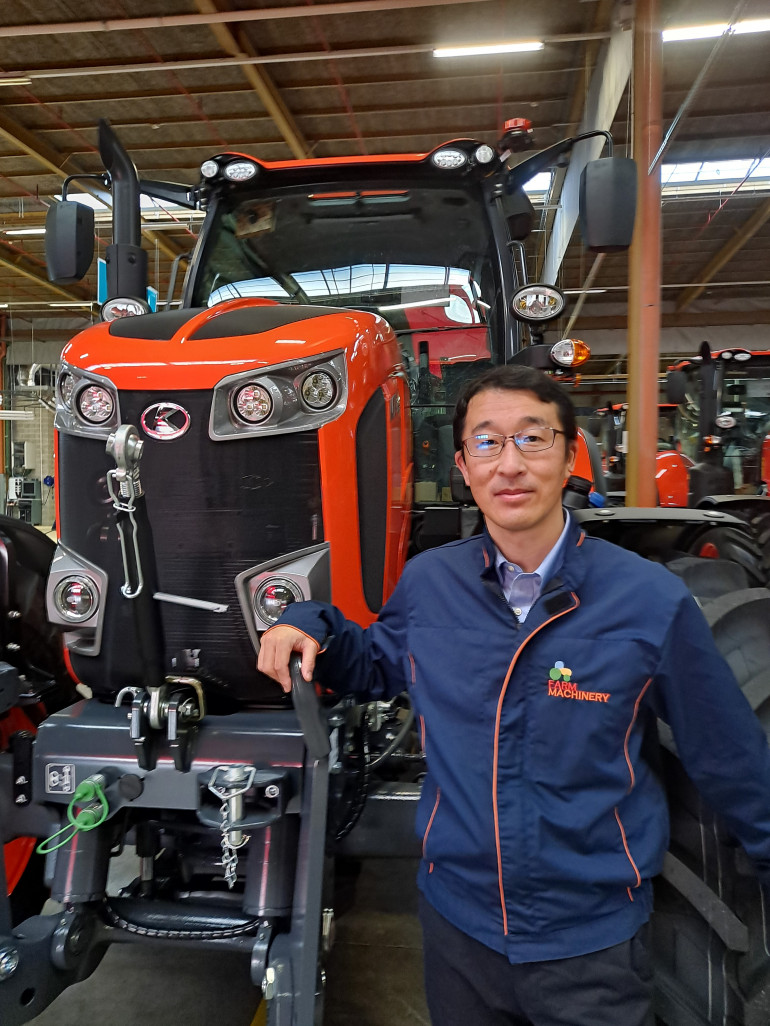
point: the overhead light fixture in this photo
(525, 46)
(24, 231)
(752, 25)
(716, 29)
(84, 304)
(11, 80)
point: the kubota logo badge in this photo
(165, 421)
(561, 685)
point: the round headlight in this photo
(570, 352)
(537, 303)
(209, 168)
(319, 390)
(240, 170)
(273, 596)
(484, 154)
(448, 159)
(114, 309)
(66, 388)
(252, 403)
(725, 421)
(96, 404)
(76, 598)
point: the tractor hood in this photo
(196, 348)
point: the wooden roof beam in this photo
(724, 255)
(258, 78)
(26, 269)
(54, 162)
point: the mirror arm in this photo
(104, 178)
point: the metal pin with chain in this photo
(234, 783)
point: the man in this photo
(538, 661)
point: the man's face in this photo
(516, 491)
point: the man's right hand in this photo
(276, 649)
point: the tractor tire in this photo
(711, 925)
(727, 542)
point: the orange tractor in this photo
(284, 434)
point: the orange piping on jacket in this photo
(496, 751)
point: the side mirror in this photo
(676, 387)
(69, 241)
(608, 204)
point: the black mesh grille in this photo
(216, 508)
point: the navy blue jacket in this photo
(541, 815)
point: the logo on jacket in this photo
(561, 685)
(165, 421)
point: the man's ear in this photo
(460, 462)
(572, 450)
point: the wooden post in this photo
(645, 264)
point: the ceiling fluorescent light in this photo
(738, 28)
(483, 51)
(12, 80)
(24, 231)
(752, 25)
(695, 32)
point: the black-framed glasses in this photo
(532, 439)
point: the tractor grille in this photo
(216, 508)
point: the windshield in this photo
(424, 258)
(743, 420)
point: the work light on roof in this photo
(741, 355)
(209, 169)
(537, 302)
(484, 154)
(449, 158)
(240, 170)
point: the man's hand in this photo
(276, 649)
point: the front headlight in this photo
(273, 596)
(319, 390)
(76, 598)
(66, 388)
(252, 403)
(86, 404)
(95, 404)
(300, 395)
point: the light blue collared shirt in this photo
(522, 590)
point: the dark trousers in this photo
(468, 984)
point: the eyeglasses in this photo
(531, 439)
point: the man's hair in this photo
(516, 379)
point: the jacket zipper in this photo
(496, 750)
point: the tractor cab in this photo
(723, 415)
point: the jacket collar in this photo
(569, 575)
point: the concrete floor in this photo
(374, 972)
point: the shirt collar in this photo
(550, 563)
